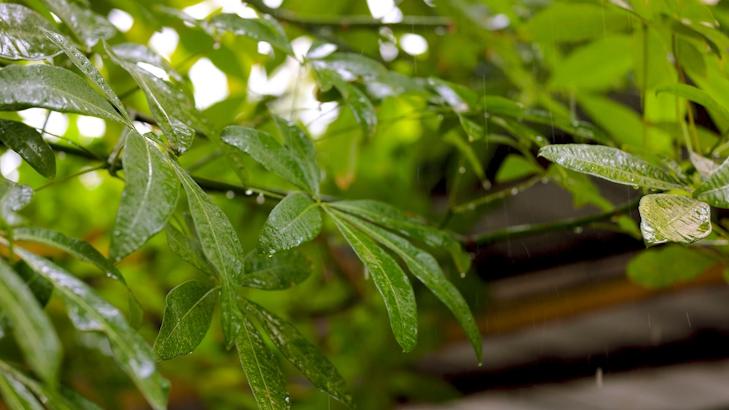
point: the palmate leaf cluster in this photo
(557, 72)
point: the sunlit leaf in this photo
(31, 327)
(354, 98)
(86, 25)
(149, 197)
(294, 220)
(21, 35)
(29, 144)
(261, 29)
(188, 312)
(51, 87)
(611, 164)
(673, 218)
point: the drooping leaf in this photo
(611, 164)
(392, 218)
(715, 189)
(260, 29)
(424, 267)
(261, 368)
(304, 355)
(282, 160)
(85, 66)
(76, 247)
(294, 220)
(172, 107)
(188, 312)
(390, 281)
(13, 198)
(149, 197)
(274, 272)
(673, 218)
(132, 353)
(16, 396)
(218, 238)
(29, 144)
(86, 25)
(666, 266)
(21, 36)
(55, 88)
(32, 328)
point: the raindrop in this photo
(598, 377)
(260, 199)
(230, 194)
(461, 170)
(486, 184)
(249, 192)
(514, 191)
(578, 230)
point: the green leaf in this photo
(188, 312)
(304, 355)
(29, 144)
(294, 220)
(698, 96)
(274, 272)
(260, 29)
(32, 329)
(461, 99)
(85, 66)
(13, 198)
(673, 218)
(516, 167)
(392, 218)
(704, 166)
(390, 281)
(170, 104)
(356, 100)
(21, 34)
(132, 353)
(188, 249)
(41, 288)
(230, 315)
(86, 25)
(715, 189)
(218, 239)
(666, 266)
(570, 22)
(78, 248)
(424, 267)
(16, 396)
(261, 368)
(595, 66)
(611, 164)
(149, 197)
(283, 160)
(51, 87)
(301, 147)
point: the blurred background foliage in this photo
(608, 63)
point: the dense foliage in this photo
(248, 215)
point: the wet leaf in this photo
(703, 165)
(294, 220)
(304, 355)
(16, 396)
(274, 272)
(132, 353)
(390, 281)
(86, 25)
(188, 249)
(261, 368)
(188, 312)
(31, 327)
(29, 144)
(424, 267)
(149, 197)
(21, 36)
(390, 217)
(283, 160)
(356, 100)
(611, 164)
(13, 198)
(715, 189)
(673, 218)
(51, 87)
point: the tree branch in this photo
(519, 231)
